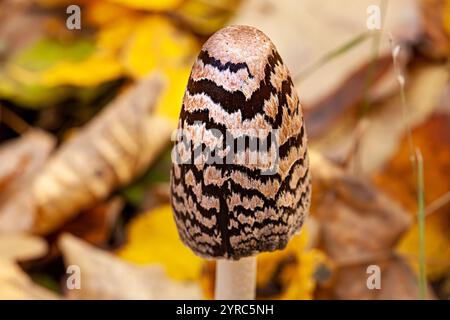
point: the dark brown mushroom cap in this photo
(226, 206)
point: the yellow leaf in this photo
(206, 17)
(113, 36)
(296, 266)
(446, 16)
(102, 12)
(153, 238)
(157, 43)
(171, 100)
(437, 245)
(94, 70)
(154, 5)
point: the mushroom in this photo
(240, 181)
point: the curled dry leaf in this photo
(21, 246)
(361, 227)
(21, 160)
(116, 146)
(104, 276)
(358, 222)
(15, 284)
(112, 149)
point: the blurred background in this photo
(85, 147)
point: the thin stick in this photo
(236, 280)
(421, 221)
(13, 121)
(438, 203)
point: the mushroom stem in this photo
(236, 280)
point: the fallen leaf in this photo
(115, 147)
(96, 69)
(172, 97)
(354, 216)
(21, 160)
(153, 238)
(361, 227)
(436, 24)
(153, 5)
(107, 14)
(41, 74)
(104, 276)
(21, 246)
(96, 225)
(17, 285)
(206, 17)
(165, 46)
(398, 282)
(397, 178)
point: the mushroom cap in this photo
(240, 179)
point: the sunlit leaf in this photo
(156, 43)
(153, 238)
(94, 70)
(153, 5)
(206, 17)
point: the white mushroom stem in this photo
(236, 280)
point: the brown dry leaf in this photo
(360, 227)
(436, 24)
(95, 225)
(358, 222)
(398, 179)
(21, 160)
(115, 147)
(398, 282)
(18, 26)
(21, 246)
(104, 276)
(15, 284)
(282, 20)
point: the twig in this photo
(438, 203)
(13, 121)
(421, 222)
